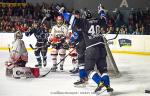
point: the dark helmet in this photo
(77, 12)
(88, 14)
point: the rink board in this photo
(131, 44)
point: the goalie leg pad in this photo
(19, 72)
(35, 72)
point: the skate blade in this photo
(62, 71)
(38, 67)
(54, 71)
(80, 86)
(103, 92)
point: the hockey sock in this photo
(54, 58)
(82, 72)
(61, 58)
(97, 79)
(74, 62)
(38, 59)
(44, 58)
(105, 79)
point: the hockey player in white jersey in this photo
(18, 51)
(18, 55)
(58, 41)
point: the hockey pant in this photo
(96, 56)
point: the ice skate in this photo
(53, 69)
(109, 89)
(99, 88)
(61, 67)
(81, 83)
(103, 90)
(39, 65)
(74, 71)
(44, 63)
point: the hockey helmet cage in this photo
(18, 35)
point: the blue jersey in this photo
(69, 18)
(40, 33)
(88, 29)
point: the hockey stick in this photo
(114, 37)
(9, 47)
(147, 91)
(33, 47)
(104, 37)
(36, 47)
(57, 64)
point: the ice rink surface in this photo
(134, 69)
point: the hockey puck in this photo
(147, 91)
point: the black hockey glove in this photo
(62, 39)
(66, 45)
(27, 33)
(48, 44)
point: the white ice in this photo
(134, 69)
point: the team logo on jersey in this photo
(125, 42)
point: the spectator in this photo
(130, 29)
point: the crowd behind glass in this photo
(137, 21)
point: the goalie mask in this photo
(18, 35)
(59, 21)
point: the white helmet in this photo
(59, 20)
(18, 35)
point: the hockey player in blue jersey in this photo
(41, 35)
(95, 52)
(77, 37)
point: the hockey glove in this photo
(27, 33)
(66, 45)
(62, 39)
(61, 10)
(48, 44)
